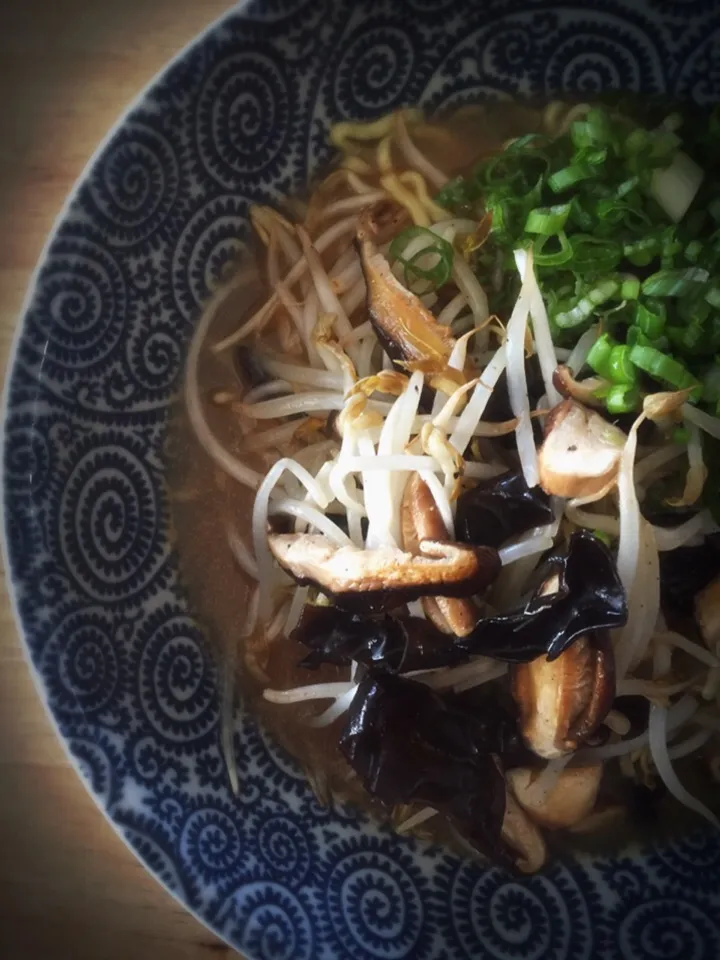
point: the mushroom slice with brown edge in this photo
(378, 579)
(380, 222)
(581, 452)
(520, 833)
(404, 327)
(707, 613)
(569, 801)
(562, 702)
(421, 520)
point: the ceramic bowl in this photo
(241, 117)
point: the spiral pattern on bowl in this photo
(243, 118)
(268, 921)
(85, 651)
(374, 903)
(211, 843)
(111, 521)
(136, 184)
(176, 681)
(77, 315)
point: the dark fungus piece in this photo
(499, 508)
(563, 701)
(581, 593)
(395, 644)
(408, 746)
(376, 580)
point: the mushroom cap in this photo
(570, 800)
(421, 520)
(519, 831)
(407, 329)
(384, 576)
(707, 613)
(563, 701)
(581, 452)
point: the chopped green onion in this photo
(622, 398)
(713, 296)
(553, 258)
(674, 283)
(586, 306)
(630, 287)
(598, 357)
(662, 367)
(436, 275)
(620, 369)
(651, 323)
(569, 176)
(595, 253)
(680, 436)
(693, 251)
(547, 220)
(453, 195)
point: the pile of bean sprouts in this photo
(325, 353)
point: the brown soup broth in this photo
(205, 503)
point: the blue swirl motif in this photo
(155, 847)
(540, 918)
(603, 52)
(244, 119)
(176, 682)
(692, 861)
(667, 928)
(82, 662)
(94, 750)
(212, 845)
(268, 922)
(699, 75)
(211, 242)
(160, 220)
(374, 899)
(374, 70)
(28, 456)
(285, 847)
(154, 353)
(136, 184)
(110, 519)
(76, 319)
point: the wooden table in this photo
(69, 888)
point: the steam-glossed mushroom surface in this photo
(580, 455)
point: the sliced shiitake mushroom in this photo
(520, 833)
(404, 327)
(562, 702)
(421, 520)
(570, 800)
(381, 578)
(581, 452)
(707, 613)
(380, 222)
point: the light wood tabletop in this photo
(69, 888)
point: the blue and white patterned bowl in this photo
(239, 118)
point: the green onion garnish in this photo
(432, 264)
